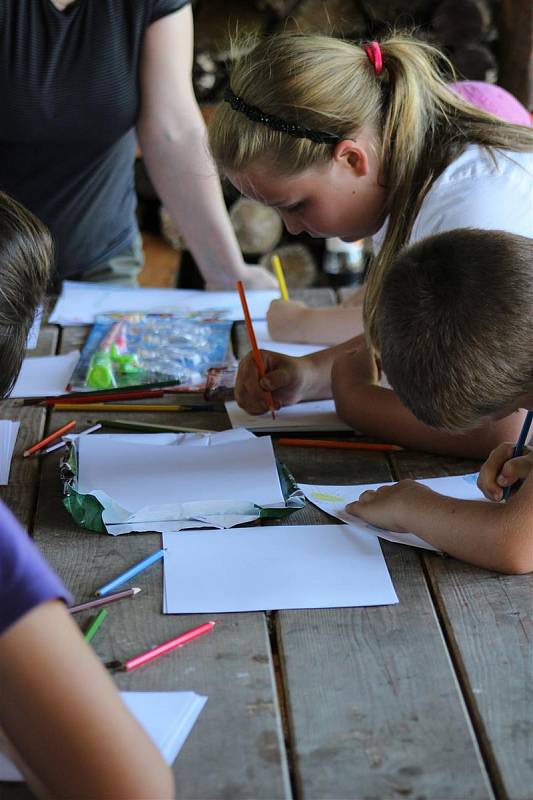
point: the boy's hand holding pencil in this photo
(283, 381)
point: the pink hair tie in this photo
(373, 51)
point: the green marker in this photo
(95, 623)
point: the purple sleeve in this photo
(26, 580)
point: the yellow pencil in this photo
(117, 407)
(276, 263)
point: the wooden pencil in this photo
(340, 445)
(253, 341)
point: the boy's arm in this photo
(490, 535)
(378, 412)
(292, 321)
(65, 719)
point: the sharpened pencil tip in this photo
(136, 590)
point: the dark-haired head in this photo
(25, 259)
(455, 326)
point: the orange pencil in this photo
(48, 439)
(332, 443)
(253, 341)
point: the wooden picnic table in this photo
(429, 699)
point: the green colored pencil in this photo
(94, 624)
(147, 427)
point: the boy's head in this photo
(455, 326)
(25, 259)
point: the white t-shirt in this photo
(475, 191)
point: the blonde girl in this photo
(366, 140)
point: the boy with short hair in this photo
(455, 326)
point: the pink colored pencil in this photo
(166, 647)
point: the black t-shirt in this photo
(69, 101)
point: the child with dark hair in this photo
(25, 259)
(455, 326)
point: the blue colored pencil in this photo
(142, 565)
(520, 445)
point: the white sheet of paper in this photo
(33, 335)
(313, 415)
(265, 342)
(167, 718)
(277, 567)
(45, 376)
(8, 437)
(136, 475)
(79, 303)
(333, 499)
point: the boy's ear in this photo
(353, 155)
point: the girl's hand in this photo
(253, 277)
(389, 506)
(501, 469)
(287, 321)
(284, 380)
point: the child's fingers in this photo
(488, 474)
(514, 470)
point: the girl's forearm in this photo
(333, 325)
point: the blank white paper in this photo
(45, 376)
(167, 718)
(313, 415)
(333, 499)
(273, 568)
(265, 342)
(8, 438)
(79, 303)
(139, 475)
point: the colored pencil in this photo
(104, 601)
(166, 647)
(278, 270)
(138, 392)
(334, 444)
(130, 573)
(94, 624)
(64, 442)
(253, 341)
(520, 446)
(48, 439)
(117, 407)
(147, 427)
(102, 397)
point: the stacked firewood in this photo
(474, 33)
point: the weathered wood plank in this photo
(487, 620)
(20, 493)
(365, 717)
(237, 748)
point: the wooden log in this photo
(475, 62)
(515, 64)
(457, 22)
(335, 17)
(299, 266)
(258, 228)
(281, 8)
(216, 23)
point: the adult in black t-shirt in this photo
(79, 79)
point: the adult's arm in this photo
(65, 720)
(173, 141)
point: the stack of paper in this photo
(333, 499)
(265, 342)
(167, 717)
(45, 376)
(79, 303)
(147, 484)
(8, 437)
(314, 415)
(267, 568)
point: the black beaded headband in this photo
(276, 123)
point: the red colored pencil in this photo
(334, 444)
(102, 397)
(253, 341)
(166, 647)
(55, 435)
